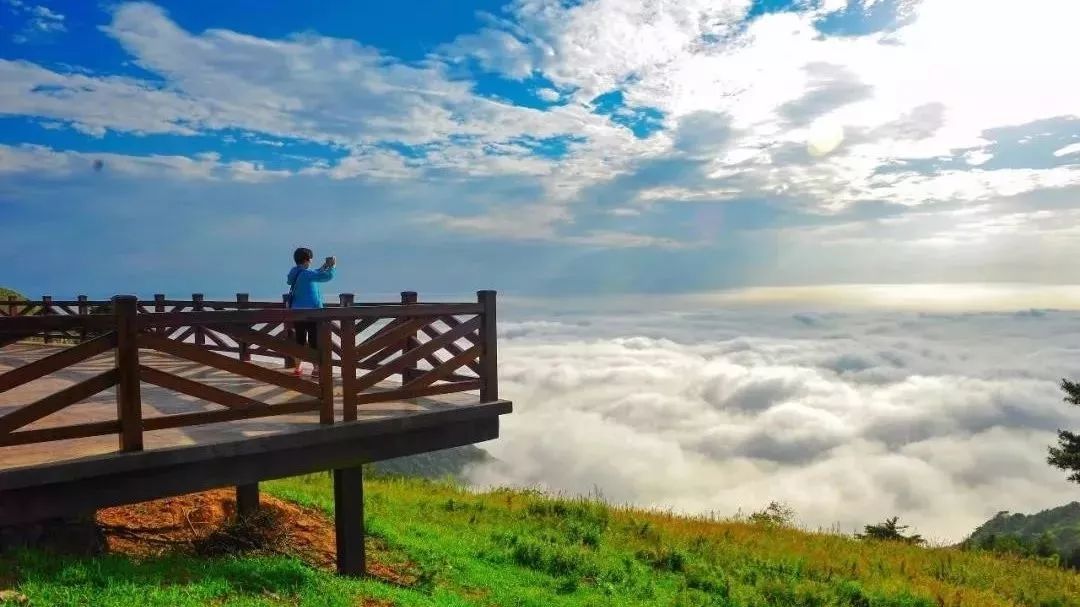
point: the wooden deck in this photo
(130, 403)
(158, 401)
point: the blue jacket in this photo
(306, 294)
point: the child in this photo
(304, 294)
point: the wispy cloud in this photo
(40, 21)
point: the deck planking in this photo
(157, 401)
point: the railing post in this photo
(326, 373)
(348, 360)
(12, 308)
(489, 360)
(242, 300)
(84, 309)
(408, 373)
(128, 390)
(200, 331)
(159, 306)
(289, 334)
(46, 310)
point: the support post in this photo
(349, 520)
(128, 390)
(200, 331)
(247, 500)
(289, 333)
(489, 361)
(83, 309)
(348, 361)
(409, 373)
(46, 310)
(12, 308)
(242, 300)
(326, 373)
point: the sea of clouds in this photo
(848, 416)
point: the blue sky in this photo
(537, 147)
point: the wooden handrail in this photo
(377, 341)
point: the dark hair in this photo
(301, 255)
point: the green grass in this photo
(519, 548)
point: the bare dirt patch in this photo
(206, 524)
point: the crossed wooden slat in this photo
(28, 414)
(54, 362)
(201, 355)
(410, 357)
(452, 347)
(237, 406)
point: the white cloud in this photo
(321, 88)
(40, 21)
(43, 161)
(1072, 148)
(549, 95)
(665, 56)
(93, 103)
(849, 417)
(611, 239)
(743, 104)
(495, 50)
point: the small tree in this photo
(1066, 455)
(776, 513)
(891, 531)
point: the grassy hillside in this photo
(518, 548)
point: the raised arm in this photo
(322, 274)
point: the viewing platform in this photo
(104, 403)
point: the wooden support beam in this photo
(46, 310)
(247, 500)
(159, 308)
(409, 373)
(197, 305)
(489, 362)
(84, 309)
(289, 334)
(243, 302)
(348, 362)
(128, 390)
(349, 520)
(326, 373)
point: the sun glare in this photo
(824, 137)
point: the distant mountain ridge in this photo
(434, 465)
(1061, 523)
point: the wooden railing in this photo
(432, 348)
